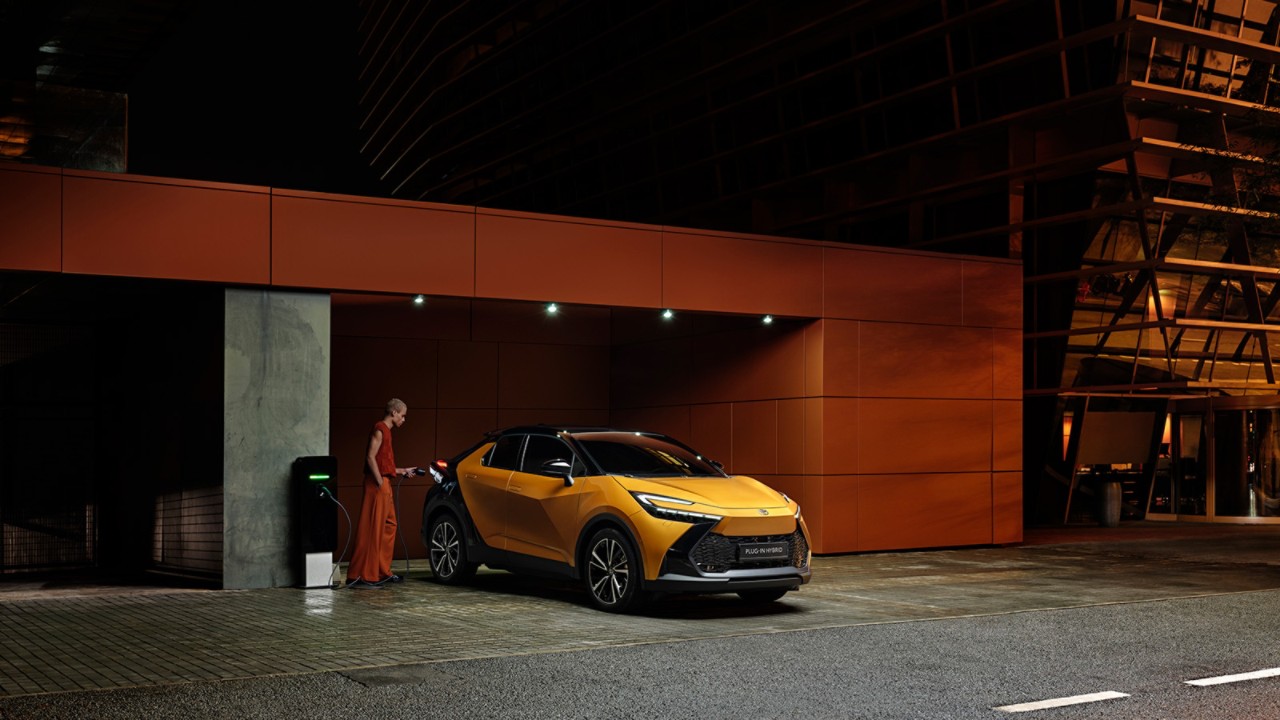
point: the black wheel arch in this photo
(594, 525)
(446, 498)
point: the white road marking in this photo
(1062, 702)
(1205, 682)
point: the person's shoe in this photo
(392, 578)
(363, 585)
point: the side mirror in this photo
(560, 469)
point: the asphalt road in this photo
(950, 668)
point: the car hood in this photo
(731, 493)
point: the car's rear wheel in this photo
(448, 551)
(612, 572)
(762, 596)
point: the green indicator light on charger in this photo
(317, 477)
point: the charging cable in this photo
(400, 533)
(326, 492)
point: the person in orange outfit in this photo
(376, 533)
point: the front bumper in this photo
(731, 581)
(702, 561)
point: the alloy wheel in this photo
(609, 571)
(445, 549)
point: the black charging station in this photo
(315, 488)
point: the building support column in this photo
(275, 409)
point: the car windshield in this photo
(644, 455)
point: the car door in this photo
(484, 487)
(542, 512)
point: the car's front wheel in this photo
(448, 551)
(612, 571)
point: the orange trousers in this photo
(375, 533)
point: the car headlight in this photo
(647, 500)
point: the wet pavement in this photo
(59, 638)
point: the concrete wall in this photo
(276, 408)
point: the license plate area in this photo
(764, 552)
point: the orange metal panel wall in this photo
(652, 374)
(992, 295)
(365, 244)
(397, 316)
(922, 510)
(384, 368)
(468, 374)
(839, 358)
(895, 419)
(140, 227)
(754, 364)
(553, 416)
(500, 321)
(893, 412)
(1007, 364)
(841, 513)
(815, 505)
(711, 431)
(792, 436)
(924, 436)
(893, 287)
(814, 360)
(841, 434)
(1006, 433)
(458, 428)
(727, 274)
(814, 435)
(736, 365)
(537, 257)
(564, 377)
(754, 433)
(896, 402)
(1006, 507)
(31, 217)
(906, 361)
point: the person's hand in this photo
(409, 471)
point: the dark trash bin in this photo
(1109, 498)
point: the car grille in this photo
(718, 553)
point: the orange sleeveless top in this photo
(385, 459)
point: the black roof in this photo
(558, 429)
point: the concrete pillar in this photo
(275, 409)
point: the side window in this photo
(505, 453)
(543, 448)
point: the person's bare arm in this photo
(371, 458)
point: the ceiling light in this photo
(767, 320)
(552, 308)
(419, 299)
(668, 314)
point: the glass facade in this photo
(1223, 464)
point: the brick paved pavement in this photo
(112, 638)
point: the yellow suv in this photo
(627, 513)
